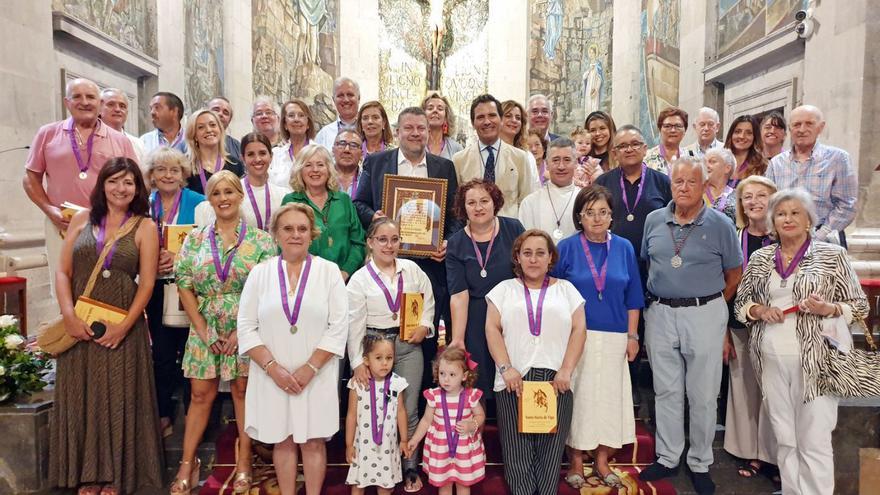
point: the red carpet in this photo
(628, 461)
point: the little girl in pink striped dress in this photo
(453, 452)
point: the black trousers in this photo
(168, 346)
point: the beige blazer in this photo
(513, 173)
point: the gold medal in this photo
(394, 316)
(293, 330)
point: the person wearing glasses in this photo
(314, 184)
(706, 126)
(347, 156)
(298, 130)
(672, 122)
(264, 116)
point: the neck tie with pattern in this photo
(489, 171)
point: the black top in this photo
(753, 243)
(195, 182)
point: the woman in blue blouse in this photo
(603, 267)
(170, 203)
(478, 259)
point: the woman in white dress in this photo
(261, 197)
(292, 322)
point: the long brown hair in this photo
(519, 140)
(140, 203)
(755, 162)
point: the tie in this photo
(489, 172)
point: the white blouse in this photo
(367, 306)
(780, 339)
(524, 349)
(271, 413)
(205, 212)
(281, 166)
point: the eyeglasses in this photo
(385, 241)
(596, 214)
(540, 111)
(705, 124)
(672, 127)
(347, 144)
(265, 113)
(628, 146)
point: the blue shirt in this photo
(711, 248)
(623, 286)
(155, 139)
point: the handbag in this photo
(53, 337)
(173, 314)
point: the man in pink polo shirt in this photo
(69, 154)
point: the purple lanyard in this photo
(290, 149)
(102, 236)
(250, 193)
(663, 154)
(354, 184)
(293, 316)
(377, 428)
(202, 173)
(393, 305)
(711, 200)
(90, 143)
(535, 315)
(598, 276)
(488, 249)
(765, 241)
(777, 258)
(176, 139)
(542, 171)
(631, 211)
(223, 273)
(452, 433)
(364, 152)
(159, 215)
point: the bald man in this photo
(69, 154)
(114, 112)
(824, 171)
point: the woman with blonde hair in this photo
(206, 149)
(441, 126)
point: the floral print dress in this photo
(218, 302)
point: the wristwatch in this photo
(632, 337)
(503, 368)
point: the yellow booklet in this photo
(68, 210)
(90, 311)
(411, 309)
(174, 236)
(537, 408)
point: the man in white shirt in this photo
(166, 112)
(114, 112)
(706, 126)
(493, 160)
(549, 208)
(347, 99)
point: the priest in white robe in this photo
(549, 208)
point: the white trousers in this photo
(803, 431)
(54, 242)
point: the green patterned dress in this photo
(218, 302)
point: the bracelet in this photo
(270, 363)
(631, 336)
(313, 367)
(503, 368)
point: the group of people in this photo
(560, 256)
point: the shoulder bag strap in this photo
(122, 232)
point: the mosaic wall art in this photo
(131, 22)
(296, 52)
(742, 22)
(203, 52)
(440, 44)
(658, 62)
(570, 57)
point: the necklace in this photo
(557, 234)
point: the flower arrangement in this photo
(21, 369)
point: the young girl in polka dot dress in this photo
(453, 452)
(375, 416)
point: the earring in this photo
(445, 127)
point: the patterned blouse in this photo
(826, 271)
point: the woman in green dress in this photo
(314, 184)
(211, 269)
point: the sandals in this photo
(184, 487)
(411, 479)
(242, 482)
(748, 469)
(576, 481)
(613, 481)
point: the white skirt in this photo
(603, 408)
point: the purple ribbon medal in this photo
(393, 304)
(599, 276)
(630, 212)
(223, 272)
(202, 177)
(451, 432)
(377, 427)
(480, 261)
(777, 258)
(100, 239)
(90, 143)
(293, 316)
(262, 225)
(535, 315)
(159, 215)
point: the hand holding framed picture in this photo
(419, 206)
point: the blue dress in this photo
(463, 273)
(623, 286)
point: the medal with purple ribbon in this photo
(354, 184)
(599, 276)
(223, 272)
(535, 314)
(159, 214)
(792, 265)
(377, 427)
(100, 239)
(202, 177)
(250, 193)
(293, 316)
(630, 212)
(365, 153)
(451, 431)
(744, 237)
(716, 203)
(90, 143)
(393, 305)
(290, 149)
(480, 261)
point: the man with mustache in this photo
(493, 160)
(166, 112)
(114, 112)
(706, 126)
(69, 154)
(824, 171)
(346, 98)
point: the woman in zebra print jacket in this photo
(787, 294)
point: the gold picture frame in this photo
(418, 204)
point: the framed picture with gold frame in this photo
(418, 204)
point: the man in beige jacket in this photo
(493, 160)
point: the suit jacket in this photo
(514, 175)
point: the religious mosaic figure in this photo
(554, 28)
(594, 81)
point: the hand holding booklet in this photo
(537, 408)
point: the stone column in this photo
(170, 33)
(625, 59)
(238, 63)
(359, 45)
(508, 31)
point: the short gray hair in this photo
(560, 142)
(537, 96)
(710, 112)
(692, 162)
(794, 194)
(166, 155)
(724, 154)
(113, 91)
(344, 79)
(68, 88)
(266, 100)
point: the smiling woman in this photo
(206, 149)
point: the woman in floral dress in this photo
(211, 269)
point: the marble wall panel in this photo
(203, 52)
(742, 22)
(658, 62)
(132, 22)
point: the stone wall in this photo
(203, 52)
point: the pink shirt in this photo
(52, 154)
